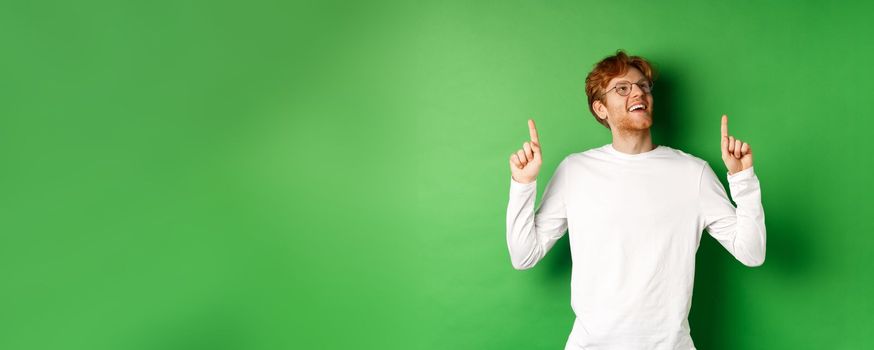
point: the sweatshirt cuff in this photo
(741, 175)
(515, 185)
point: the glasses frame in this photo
(629, 91)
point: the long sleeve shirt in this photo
(634, 223)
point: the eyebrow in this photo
(628, 81)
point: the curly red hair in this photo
(609, 68)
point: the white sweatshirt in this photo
(635, 223)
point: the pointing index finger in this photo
(532, 130)
(724, 125)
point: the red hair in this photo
(609, 68)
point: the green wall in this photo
(282, 175)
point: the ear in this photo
(600, 109)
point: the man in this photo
(635, 212)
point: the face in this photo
(625, 112)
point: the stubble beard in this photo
(632, 125)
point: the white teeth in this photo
(637, 106)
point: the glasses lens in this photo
(623, 89)
(646, 87)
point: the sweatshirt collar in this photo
(609, 149)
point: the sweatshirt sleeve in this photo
(530, 236)
(740, 230)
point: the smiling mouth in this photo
(637, 107)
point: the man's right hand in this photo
(525, 163)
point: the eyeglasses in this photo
(623, 88)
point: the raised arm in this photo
(530, 236)
(741, 229)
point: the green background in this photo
(294, 175)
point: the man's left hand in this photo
(736, 154)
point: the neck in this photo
(632, 141)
